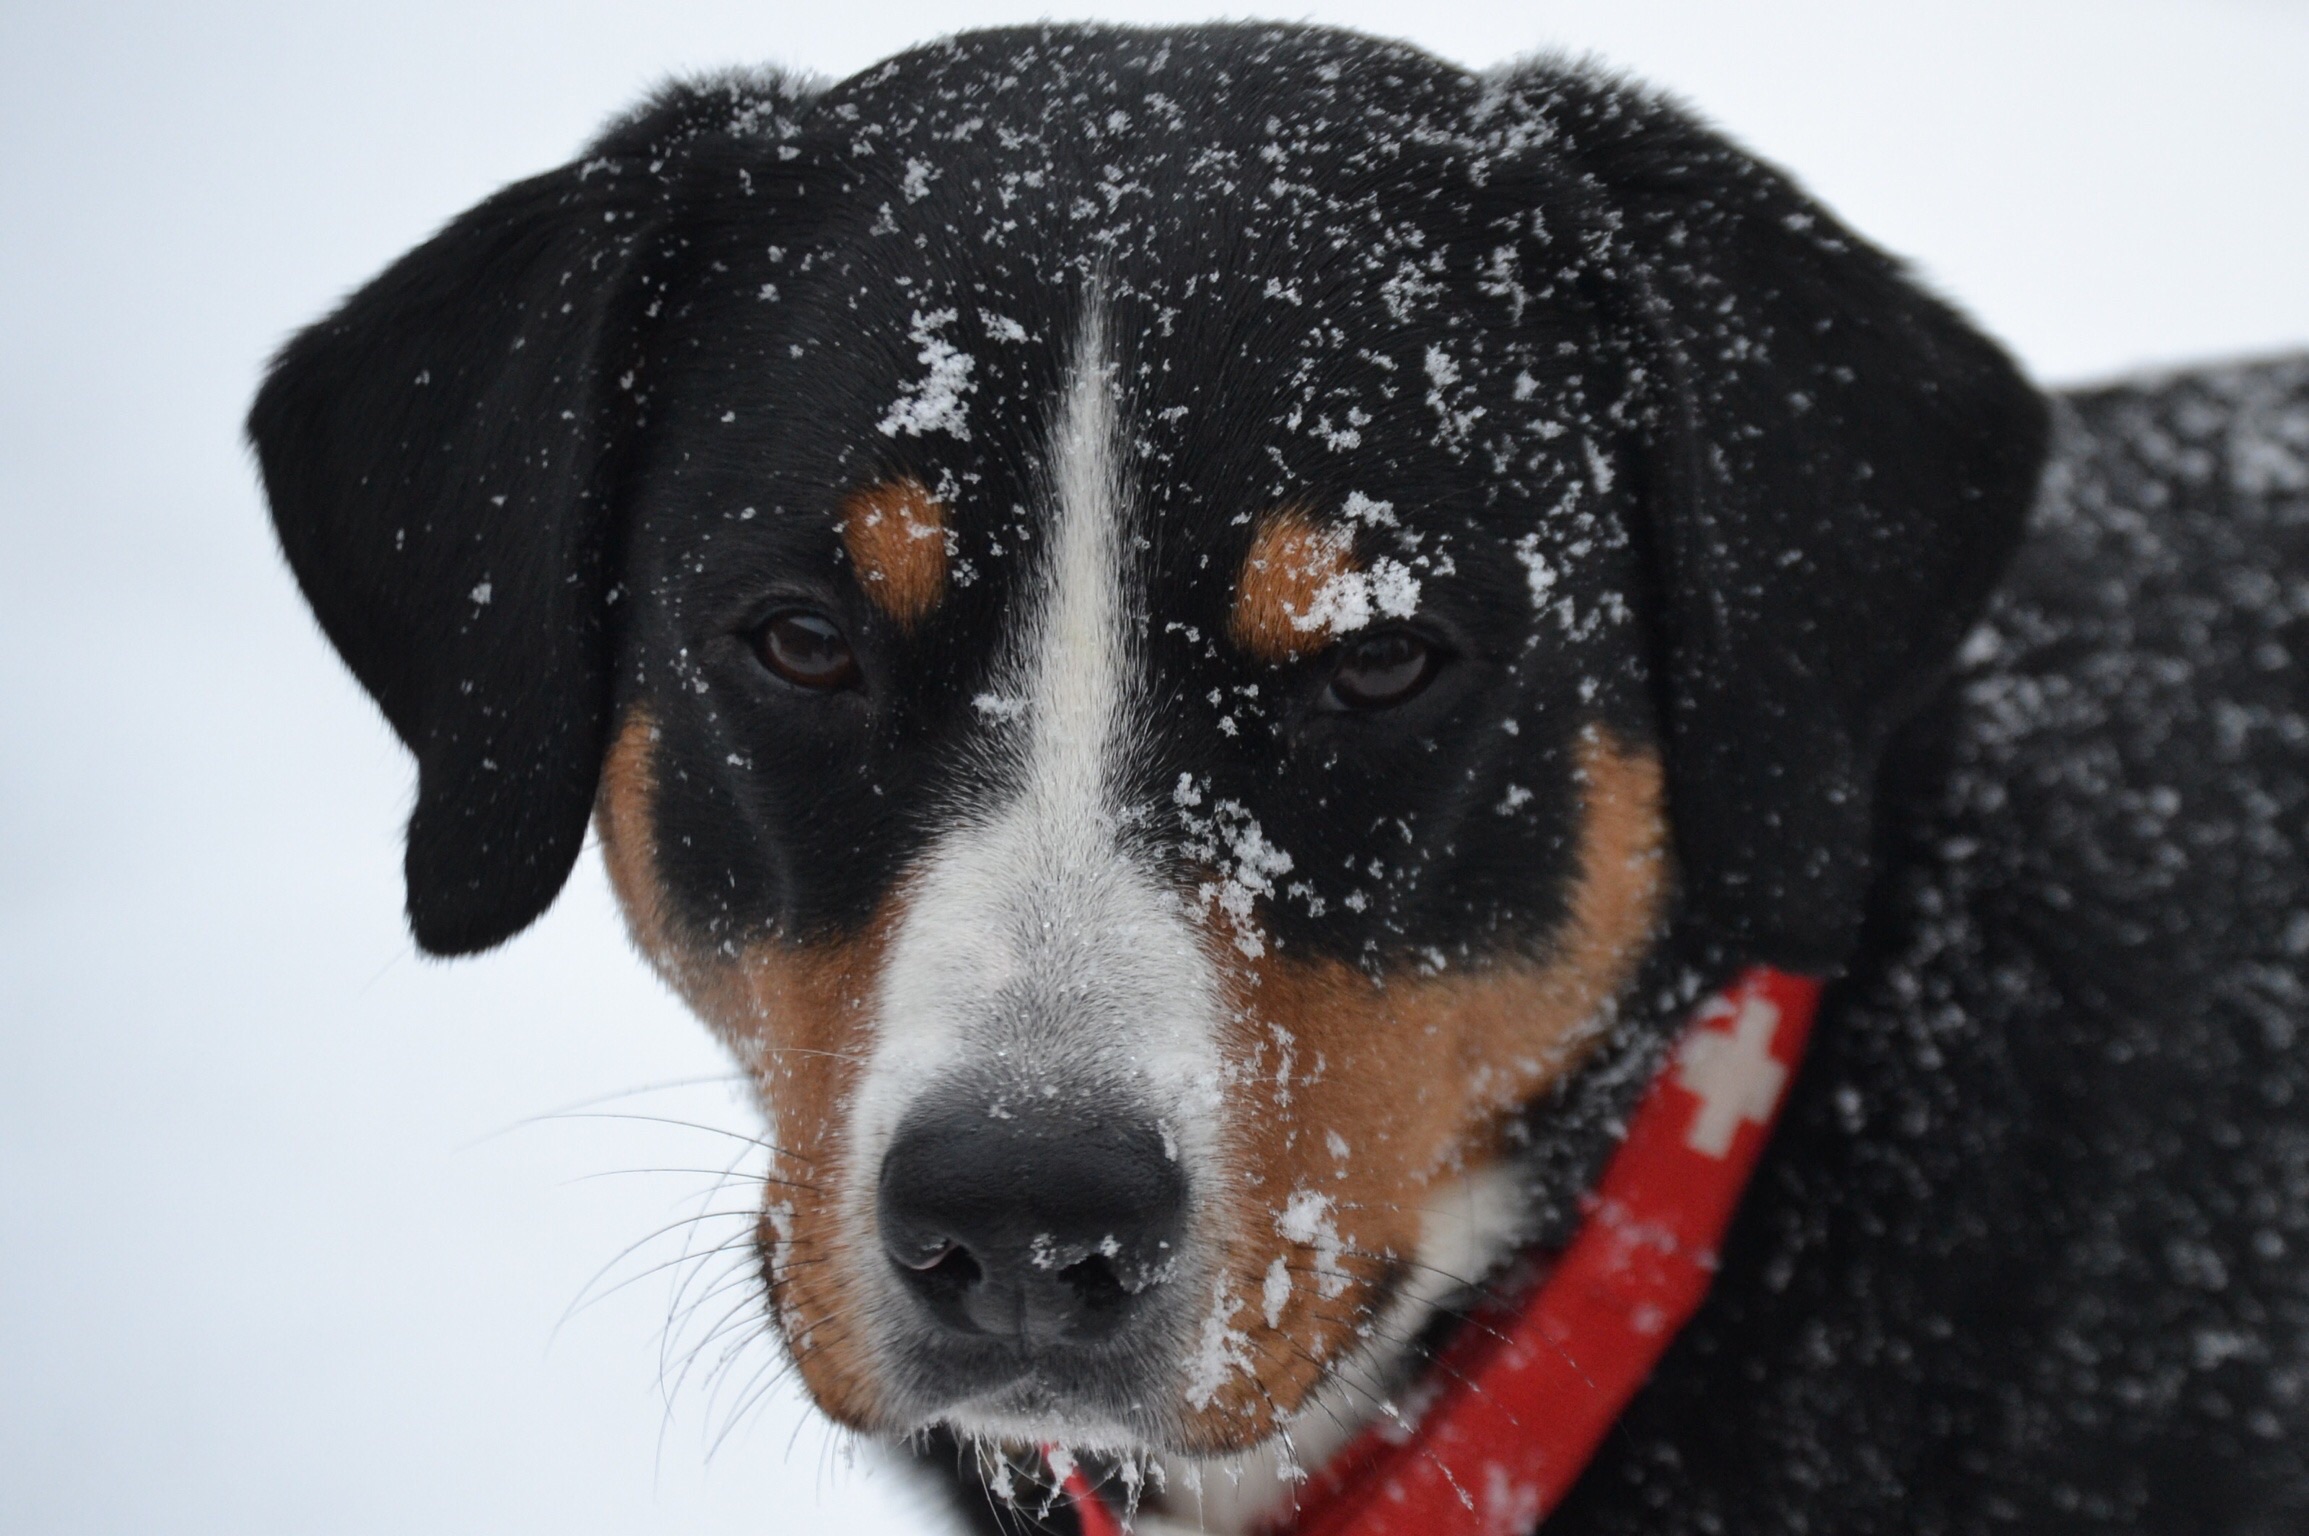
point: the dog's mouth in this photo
(1089, 1397)
(1077, 1359)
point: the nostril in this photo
(1097, 1284)
(929, 1255)
(948, 1278)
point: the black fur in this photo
(2026, 1252)
(1770, 485)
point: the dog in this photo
(1197, 645)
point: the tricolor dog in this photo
(1203, 647)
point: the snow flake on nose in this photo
(1735, 1076)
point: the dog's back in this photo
(2031, 1248)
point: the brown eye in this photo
(807, 650)
(1382, 670)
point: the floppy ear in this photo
(1835, 468)
(436, 454)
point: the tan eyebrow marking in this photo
(895, 532)
(1292, 559)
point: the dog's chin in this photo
(1088, 1416)
(1037, 1411)
(1033, 1417)
(1026, 1425)
(1091, 1405)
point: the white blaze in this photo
(1033, 947)
(1081, 666)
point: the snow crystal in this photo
(1599, 466)
(1351, 599)
(933, 403)
(1251, 865)
(1275, 1292)
(1307, 1219)
(1219, 1351)
(1441, 368)
(1232, 842)
(1509, 1504)
(1407, 290)
(1537, 572)
(1455, 422)
(1062, 1464)
(1349, 435)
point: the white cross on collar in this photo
(1734, 1075)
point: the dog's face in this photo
(1147, 769)
(1137, 609)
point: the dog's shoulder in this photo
(2043, 1189)
(2131, 723)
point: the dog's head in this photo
(1153, 623)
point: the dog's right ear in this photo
(440, 455)
(434, 454)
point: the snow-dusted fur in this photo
(1134, 587)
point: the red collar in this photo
(1528, 1389)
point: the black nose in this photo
(1030, 1223)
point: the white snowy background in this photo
(284, 1241)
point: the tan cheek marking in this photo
(624, 816)
(1417, 1079)
(895, 533)
(797, 1016)
(1292, 559)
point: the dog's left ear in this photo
(1834, 469)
